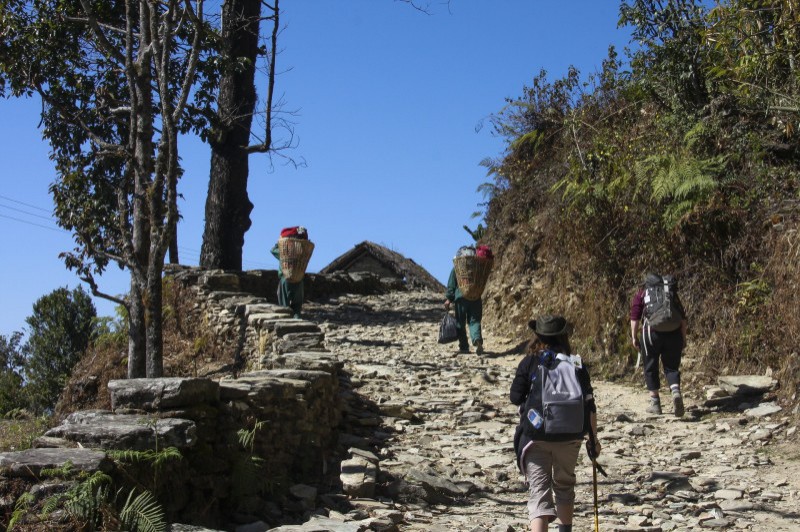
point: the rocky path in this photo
(444, 439)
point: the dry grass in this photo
(19, 434)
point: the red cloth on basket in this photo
(294, 232)
(484, 252)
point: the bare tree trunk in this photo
(228, 206)
(154, 322)
(173, 240)
(136, 334)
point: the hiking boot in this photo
(655, 407)
(677, 400)
(479, 347)
(463, 350)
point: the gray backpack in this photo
(663, 312)
(554, 408)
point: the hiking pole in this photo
(591, 449)
(596, 511)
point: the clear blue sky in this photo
(388, 101)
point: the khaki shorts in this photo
(550, 471)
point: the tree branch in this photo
(101, 38)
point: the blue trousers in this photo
(468, 314)
(291, 295)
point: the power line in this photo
(49, 218)
(34, 224)
(190, 252)
(26, 204)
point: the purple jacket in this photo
(637, 306)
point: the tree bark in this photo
(228, 206)
(154, 322)
(136, 334)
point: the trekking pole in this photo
(592, 451)
(596, 511)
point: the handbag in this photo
(448, 332)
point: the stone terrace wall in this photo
(283, 381)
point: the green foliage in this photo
(247, 438)
(248, 469)
(21, 507)
(94, 502)
(61, 326)
(157, 458)
(112, 331)
(671, 60)
(477, 234)
(680, 185)
(755, 51)
(91, 503)
(142, 513)
(11, 384)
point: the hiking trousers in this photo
(663, 347)
(550, 472)
(291, 295)
(468, 314)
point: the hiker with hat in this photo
(553, 391)
(657, 312)
(468, 306)
(291, 293)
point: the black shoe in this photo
(677, 401)
(479, 347)
(655, 407)
(463, 350)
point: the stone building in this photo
(373, 258)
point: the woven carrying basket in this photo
(295, 254)
(472, 274)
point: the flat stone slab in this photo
(30, 462)
(311, 360)
(112, 431)
(746, 384)
(162, 394)
(763, 410)
(277, 311)
(284, 327)
(323, 524)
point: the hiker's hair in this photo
(540, 343)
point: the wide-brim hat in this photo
(549, 325)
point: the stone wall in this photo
(240, 307)
(267, 423)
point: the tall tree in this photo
(11, 362)
(228, 206)
(673, 50)
(114, 79)
(61, 327)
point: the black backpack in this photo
(662, 310)
(555, 406)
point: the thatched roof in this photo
(415, 275)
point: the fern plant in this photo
(679, 185)
(21, 507)
(142, 513)
(93, 503)
(248, 470)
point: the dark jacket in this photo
(521, 385)
(453, 292)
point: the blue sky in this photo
(388, 102)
